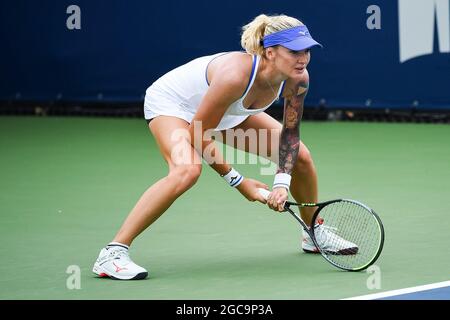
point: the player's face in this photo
(292, 63)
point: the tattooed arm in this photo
(294, 97)
(290, 134)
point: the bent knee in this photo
(305, 160)
(185, 176)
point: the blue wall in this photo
(124, 45)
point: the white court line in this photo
(401, 291)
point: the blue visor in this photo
(297, 38)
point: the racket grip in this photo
(265, 193)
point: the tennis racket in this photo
(347, 233)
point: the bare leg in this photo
(183, 173)
(304, 184)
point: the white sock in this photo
(117, 244)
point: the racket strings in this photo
(350, 235)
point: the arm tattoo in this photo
(290, 133)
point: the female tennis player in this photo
(223, 92)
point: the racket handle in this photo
(265, 193)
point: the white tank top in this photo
(180, 91)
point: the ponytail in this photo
(254, 32)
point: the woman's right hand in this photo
(249, 189)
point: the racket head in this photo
(348, 233)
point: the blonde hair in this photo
(254, 32)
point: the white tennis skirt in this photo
(159, 104)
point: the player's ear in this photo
(270, 53)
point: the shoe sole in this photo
(344, 252)
(309, 249)
(98, 270)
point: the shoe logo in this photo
(118, 269)
(303, 33)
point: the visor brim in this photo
(302, 43)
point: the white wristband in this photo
(282, 180)
(233, 178)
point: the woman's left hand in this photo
(277, 198)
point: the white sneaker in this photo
(328, 241)
(114, 262)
